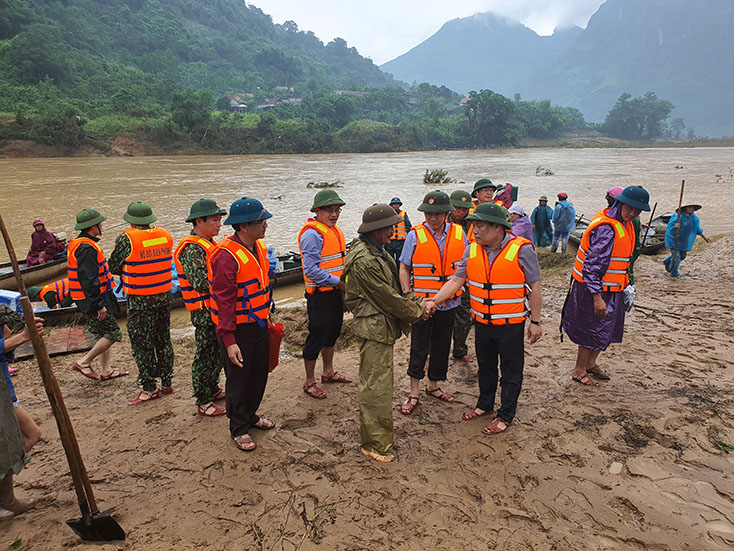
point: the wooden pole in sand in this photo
(677, 225)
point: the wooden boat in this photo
(652, 241)
(33, 275)
(289, 273)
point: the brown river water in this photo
(56, 189)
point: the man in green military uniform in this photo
(381, 313)
(191, 258)
(461, 201)
(142, 256)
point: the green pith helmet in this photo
(436, 201)
(139, 213)
(88, 218)
(543, 198)
(203, 208)
(378, 216)
(33, 292)
(461, 199)
(490, 212)
(326, 198)
(481, 184)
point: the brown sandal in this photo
(244, 443)
(443, 396)
(585, 380)
(145, 396)
(496, 427)
(314, 391)
(472, 414)
(409, 405)
(335, 377)
(264, 424)
(211, 410)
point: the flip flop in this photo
(598, 373)
(443, 396)
(13, 371)
(335, 377)
(91, 375)
(585, 380)
(496, 427)
(264, 424)
(244, 445)
(389, 458)
(113, 375)
(211, 410)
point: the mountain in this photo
(103, 52)
(483, 51)
(679, 49)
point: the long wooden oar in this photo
(677, 229)
(647, 229)
(93, 526)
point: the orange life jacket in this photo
(253, 282)
(193, 300)
(498, 293)
(400, 231)
(60, 288)
(333, 252)
(616, 277)
(430, 269)
(105, 278)
(147, 269)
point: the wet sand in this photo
(663, 424)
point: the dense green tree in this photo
(490, 116)
(192, 110)
(637, 118)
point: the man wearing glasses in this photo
(323, 249)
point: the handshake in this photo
(429, 308)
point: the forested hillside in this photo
(120, 55)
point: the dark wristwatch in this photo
(535, 322)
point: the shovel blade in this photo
(101, 528)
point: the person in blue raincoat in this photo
(564, 222)
(541, 219)
(688, 228)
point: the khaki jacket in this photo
(373, 295)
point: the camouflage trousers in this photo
(462, 326)
(374, 393)
(149, 329)
(207, 363)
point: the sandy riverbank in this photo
(664, 422)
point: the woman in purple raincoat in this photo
(521, 224)
(44, 245)
(593, 318)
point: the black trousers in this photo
(432, 336)
(245, 385)
(325, 315)
(505, 343)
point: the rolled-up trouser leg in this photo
(374, 393)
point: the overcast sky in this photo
(385, 29)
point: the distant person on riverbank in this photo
(432, 252)
(564, 222)
(191, 258)
(323, 250)
(400, 231)
(593, 315)
(142, 257)
(687, 226)
(239, 274)
(90, 285)
(382, 313)
(521, 224)
(504, 283)
(461, 201)
(44, 245)
(541, 218)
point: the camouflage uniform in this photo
(148, 326)
(207, 363)
(462, 318)
(381, 314)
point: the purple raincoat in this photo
(579, 321)
(523, 227)
(44, 245)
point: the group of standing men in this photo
(462, 264)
